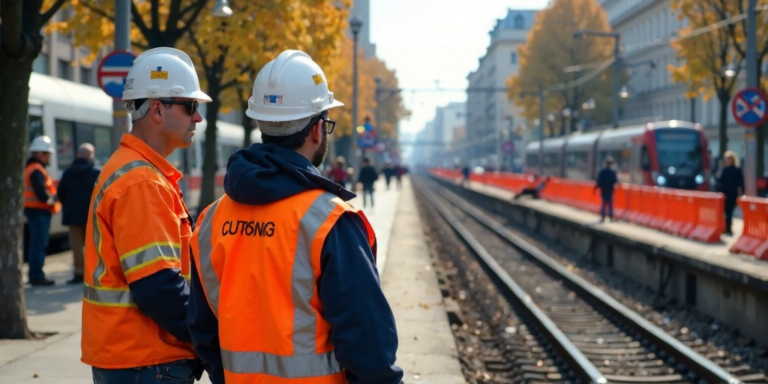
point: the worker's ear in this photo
(317, 132)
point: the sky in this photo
(435, 40)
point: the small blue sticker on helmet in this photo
(273, 99)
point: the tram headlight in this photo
(661, 180)
(699, 179)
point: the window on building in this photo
(513, 58)
(65, 143)
(86, 75)
(64, 70)
(35, 126)
(519, 22)
(40, 65)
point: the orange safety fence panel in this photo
(634, 203)
(708, 210)
(662, 201)
(647, 206)
(754, 238)
(620, 201)
(681, 218)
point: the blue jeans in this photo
(180, 371)
(39, 223)
(607, 202)
(367, 193)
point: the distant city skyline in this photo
(435, 43)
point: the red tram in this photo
(669, 154)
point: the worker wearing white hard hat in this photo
(283, 227)
(40, 203)
(138, 232)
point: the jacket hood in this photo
(266, 173)
(80, 167)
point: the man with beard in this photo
(284, 282)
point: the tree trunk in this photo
(760, 134)
(211, 160)
(14, 93)
(724, 98)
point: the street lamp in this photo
(355, 24)
(624, 93)
(221, 9)
(566, 112)
(730, 70)
(589, 104)
(616, 66)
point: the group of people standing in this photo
(366, 178)
(275, 281)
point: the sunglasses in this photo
(329, 123)
(192, 106)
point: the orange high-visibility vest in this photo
(259, 267)
(30, 199)
(138, 225)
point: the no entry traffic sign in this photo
(750, 106)
(113, 69)
(508, 148)
(366, 139)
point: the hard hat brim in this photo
(200, 96)
(288, 117)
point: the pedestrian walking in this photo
(606, 181)
(137, 239)
(399, 173)
(338, 174)
(730, 184)
(40, 203)
(367, 177)
(284, 283)
(388, 172)
(466, 174)
(75, 189)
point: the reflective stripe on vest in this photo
(148, 254)
(305, 362)
(102, 295)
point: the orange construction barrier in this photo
(681, 218)
(754, 238)
(709, 218)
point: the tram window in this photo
(645, 161)
(532, 160)
(551, 160)
(35, 127)
(576, 160)
(102, 141)
(65, 143)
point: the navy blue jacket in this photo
(367, 176)
(606, 180)
(729, 183)
(75, 189)
(364, 334)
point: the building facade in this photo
(492, 118)
(60, 58)
(434, 143)
(645, 27)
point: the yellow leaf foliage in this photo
(704, 57)
(550, 47)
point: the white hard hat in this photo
(41, 144)
(290, 88)
(163, 73)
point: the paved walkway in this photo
(427, 350)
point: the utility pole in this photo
(616, 67)
(540, 95)
(356, 24)
(750, 166)
(122, 42)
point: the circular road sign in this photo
(113, 69)
(750, 107)
(508, 148)
(366, 140)
(380, 147)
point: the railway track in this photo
(600, 340)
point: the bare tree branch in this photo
(140, 23)
(49, 13)
(188, 23)
(97, 11)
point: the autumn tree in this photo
(737, 32)
(550, 47)
(707, 55)
(20, 43)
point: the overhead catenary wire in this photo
(600, 66)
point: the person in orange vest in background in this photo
(40, 203)
(284, 283)
(137, 237)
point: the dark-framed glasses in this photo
(329, 125)
(191, 105)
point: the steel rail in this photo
(703, 367)
(585, 370)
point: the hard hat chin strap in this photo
(137, 114)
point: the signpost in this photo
(366, 139)
(112, 72)
(750, 107)
(508, 148)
